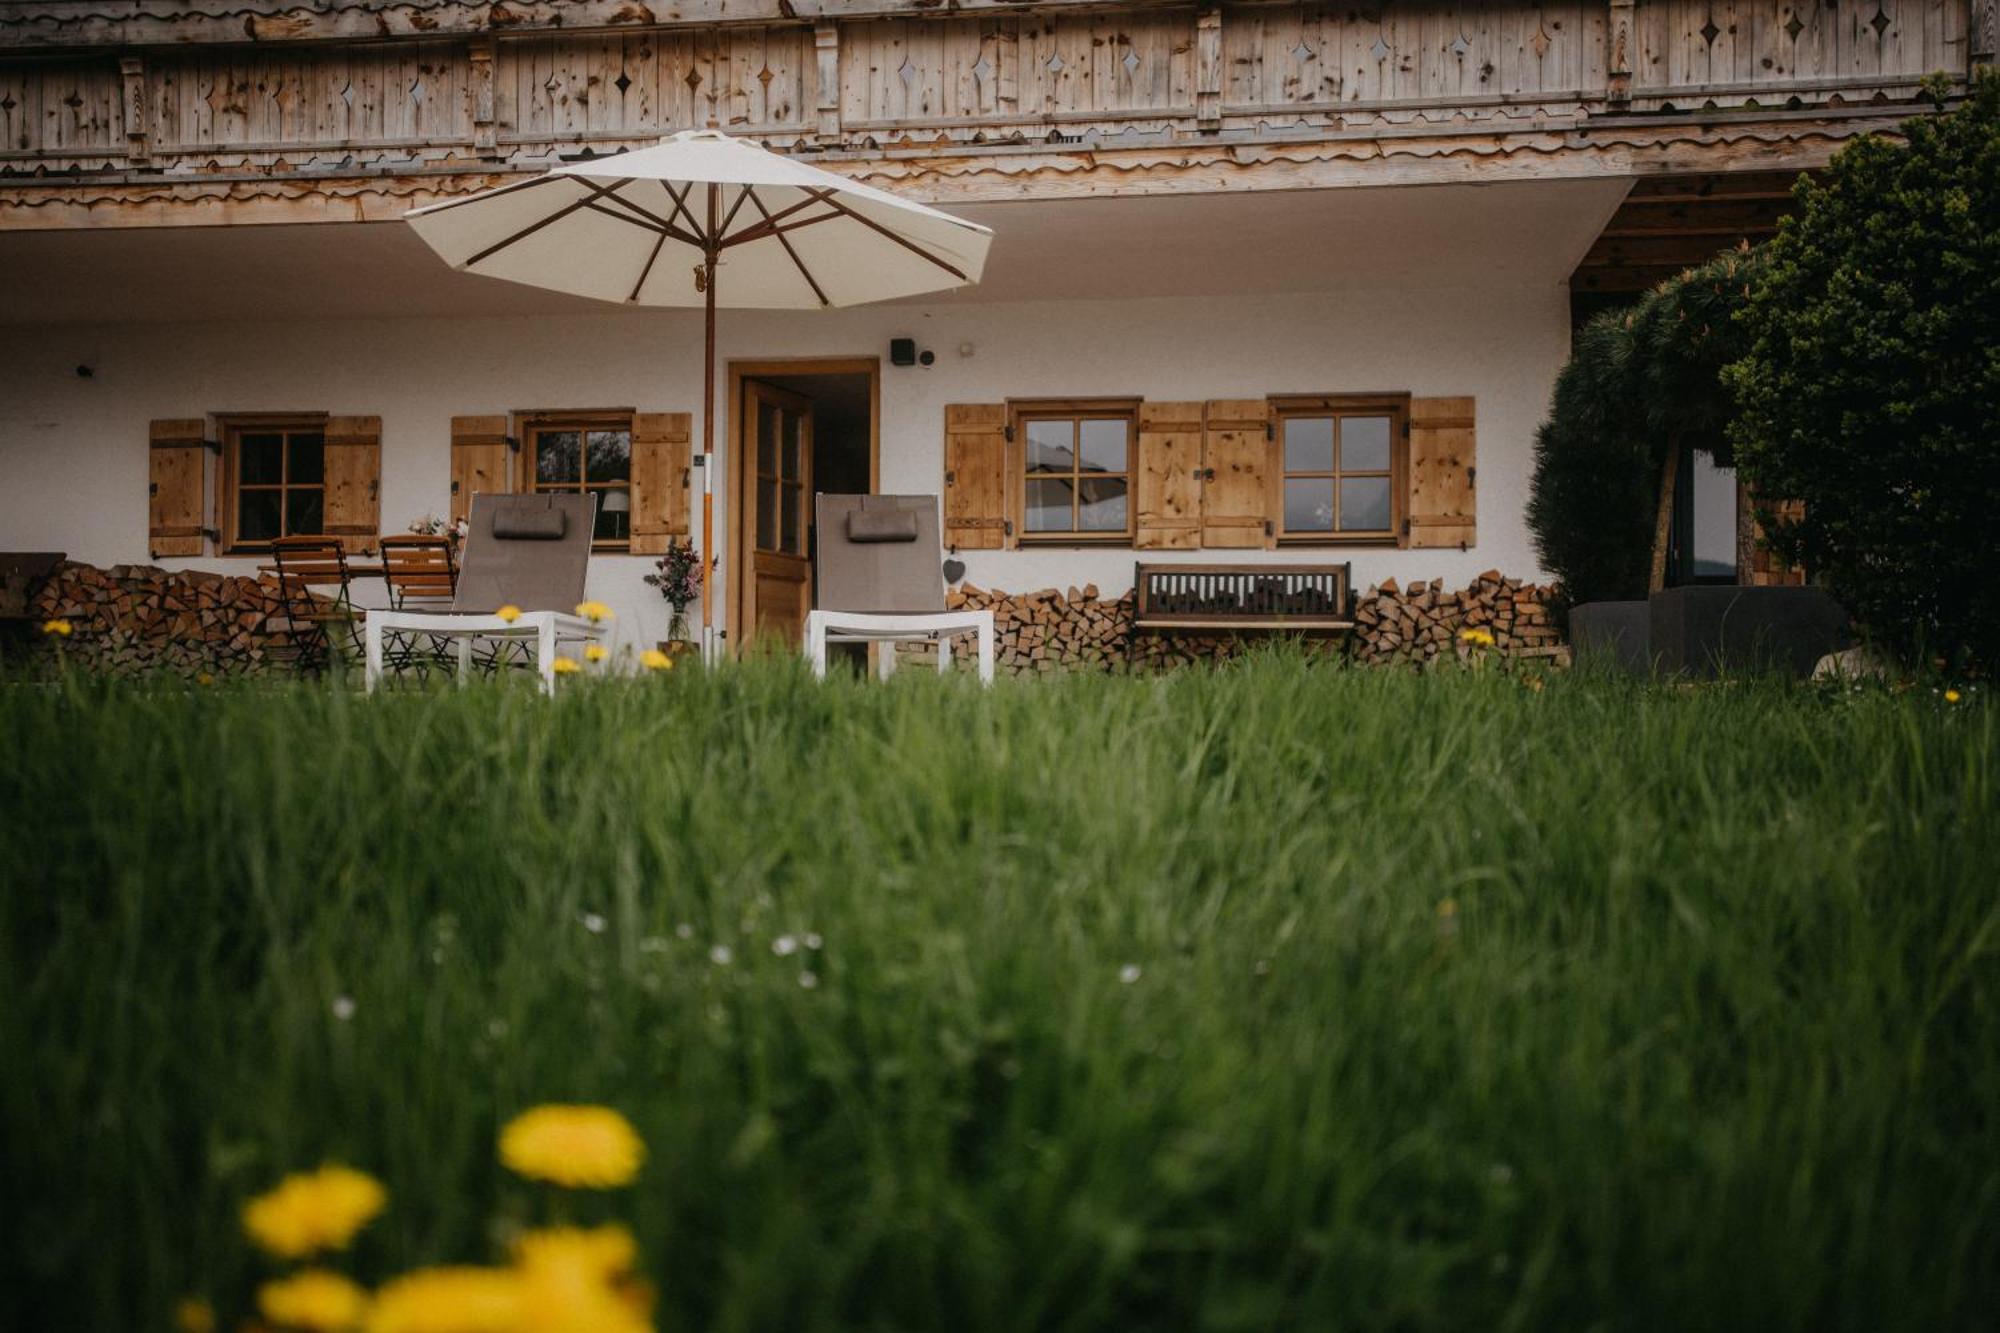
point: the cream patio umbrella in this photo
(653, 226)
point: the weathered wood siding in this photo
(965, 100)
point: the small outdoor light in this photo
(619, 503)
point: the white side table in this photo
(824, 627)
(546, 628)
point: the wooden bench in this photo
(1231, 599)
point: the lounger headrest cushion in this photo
(536, 524)
(882, 525)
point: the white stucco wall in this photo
(73, 451)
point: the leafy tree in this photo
(1870, 389)
(1641, 384)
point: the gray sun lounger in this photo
(530, 552)
(881, 580)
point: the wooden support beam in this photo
(1983, 41)
(1618, 52)
(1208, 69)
(485, 136)
(137, 112)
(826, 47)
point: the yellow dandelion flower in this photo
(194, 1315)
(509, 613)
(606, 1252)
(449, 1300)
(655, 660)
(313, 1210)
(594, 612)
(579, 1281)
(60, 629)
(1481, 637)
(578, 1147)
(1448, 908)
(595, 652)
(314, 1300)
(564, 666)
(203, 678)
(1951, 696)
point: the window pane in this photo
(1048, 506)
(1364, 504)
(1104, 444)
(610, 456)
(1309, 504)
(1714, 496)
(1309, 444)
(260, 460)
(558, 457)
(1102, 502)
(257, 515)
(793, 430)
(304, 512)
(1364, 445)
(1052, 447)
(767, 515)
(308, 458)
(790, 532)
(613, 524)
(767, 440)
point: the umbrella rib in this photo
(760, 231)
(723, 231)
(681, 209)
(647, 271)
(757, 230)
(652, 221)
(778, 232)
(826, 196)
(596, 192)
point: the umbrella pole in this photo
(708, 433)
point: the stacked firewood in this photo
(1425, 621)
(132, 619)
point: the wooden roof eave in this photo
(54, 24)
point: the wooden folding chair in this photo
(318, 622)
(422, 575)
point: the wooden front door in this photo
(778, 441)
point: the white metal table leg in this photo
(985, 633)
(885, 659)
(944, 651)
(545, 654)
(816, 644)
(462, 644)
(372, 652)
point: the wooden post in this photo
(1208, 70)
(1663, 517)
(485, 139)
(826, 45)
(708, 421)
(1618, 52)
(138, 124)
(1985, 34)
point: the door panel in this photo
(778, 480)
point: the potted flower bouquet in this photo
(679, 581)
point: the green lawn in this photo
(1277, 996)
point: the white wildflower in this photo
(1129, 973)
(343, 1007)
(593, 923)
(808, 980)
(785, 946)
(722, 955)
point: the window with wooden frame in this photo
(588, 453)
(273, 480)
(1341, 468)
(1076, 469)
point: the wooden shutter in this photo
(1236, 475)
(354, 481)
(975, 477)
(478, 460)
(660, 464)
(174, 495)
(1443, 505)
(1168, 477)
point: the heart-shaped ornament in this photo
(954, 570)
